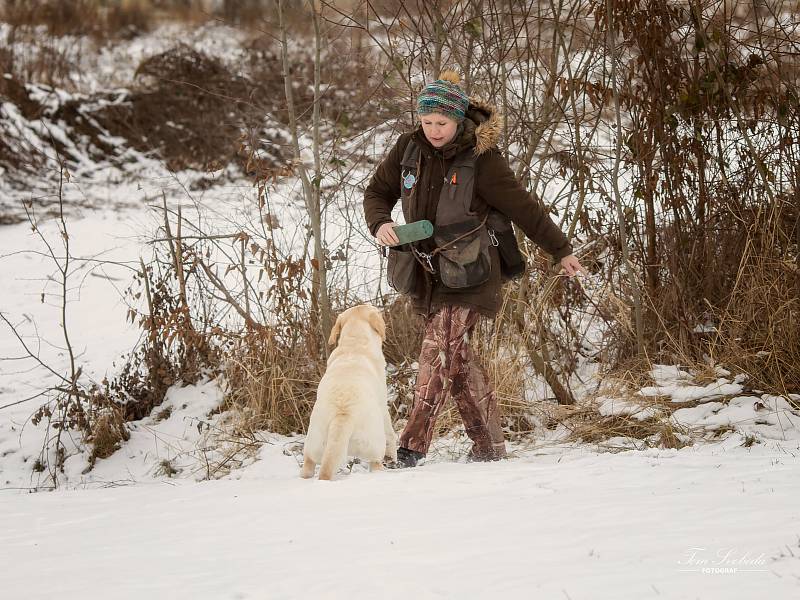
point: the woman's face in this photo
(439, 129)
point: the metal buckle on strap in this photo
(425, 260)
(493, 238)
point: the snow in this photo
(616, 406)
(173, 434)
(672, 381)
(693, 392)
(764, 416)
(560, 523)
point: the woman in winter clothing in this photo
(455, 131)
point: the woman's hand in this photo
(386, 235)
(572, 265)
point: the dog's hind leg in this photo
(308, 467)
(391, 436)
(339, 432)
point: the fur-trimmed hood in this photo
(482, 122)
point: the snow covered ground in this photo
(562, 522)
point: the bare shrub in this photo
(80, 17)
(272, 370)
(174, 350)
(60, 17)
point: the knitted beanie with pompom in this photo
(444, 96)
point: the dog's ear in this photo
(377, 323)
(335, 331)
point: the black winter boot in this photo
(406, 458)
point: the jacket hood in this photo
(480, 129)
(482, 123)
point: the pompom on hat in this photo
(444, 96)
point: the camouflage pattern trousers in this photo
(448, 365)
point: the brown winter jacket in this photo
(495, 186)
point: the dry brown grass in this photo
(504, 357)
(404, 333)
(759, 332)
(272, 383)
(586, 424)
(108, 431)
(166, 468)
(590, 426)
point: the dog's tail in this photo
(339, 432)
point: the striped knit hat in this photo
(444, 96)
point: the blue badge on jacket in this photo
(409, 181)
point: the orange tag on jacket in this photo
(453, 179)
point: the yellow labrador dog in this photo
(351, 414)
